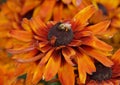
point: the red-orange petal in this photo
(29, 5)
(80, 34)
(66, 74)
(20, 69)
(81, 71)
(25, 25)
(57, 12)
(92, 82)
(116, 57)
(76, 2)
(38, 74)
(2, 76)
(111, 4)
(67, 53)
(46, 57)
(66, 1)
(75, 43)
(98, 56)
(88, 64)
(39, 38)
(96, 43)
(52, 67)
(46, 9)
(29, 75)
(18, 51)
(38, 26)
(42, 44)
(33, 59)
(82, 17)
(26, 55)
(100, 27)
(21, 35)
(45, 48)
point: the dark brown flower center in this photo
(101, 7)
(29, 14)
(62, 32)
(102, 73)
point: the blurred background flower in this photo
(106, 10)
(54, 42)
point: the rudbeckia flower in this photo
(56, 47)
(106, 10)
(107, 75)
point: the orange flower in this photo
(106, 10)
(58, 46)
(105, 75)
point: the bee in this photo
(64, 26)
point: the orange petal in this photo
(20, 69)
(76, 2)
(39, 38)
(82, 17)
(96, 43)
(88, 64)
(66, 74)
(80, 34)
(67, 13)
(82, 72)
(42, 44)
(67, 53)
(99, 28)
(2, 76)
(46, 48)
(75, 43)
(92, 82)
(33, 59)
(25, 25)
(115, 23)
(14, 51)
(66, 1)
(57, 13)
(4, 34)
(30, 75)
(27, 55)
(116, 82)
(46, 9)
(52, 67)
(21, 35)
(46, 57)
(111, 4)
(38, 26)
(29, 5)
(38, 74)
(116, 56)
(98, 56)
